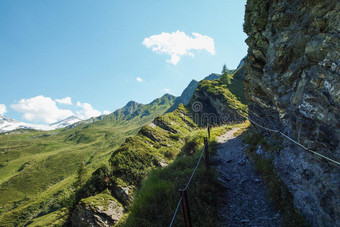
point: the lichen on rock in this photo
(292, 81)
(99, 210)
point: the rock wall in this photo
(293, 85)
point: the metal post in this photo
(209, 130)
(206, 151)
(185, 207)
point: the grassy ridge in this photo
(219, 102)
(33, 178)
(157, 198)
(37, 169)
(158, 142)
(221, 91)
(155, 145)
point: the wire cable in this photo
(193, 173)
(173, 217)
(187, 185)
(305, 148)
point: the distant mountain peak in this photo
(8, 124)
(131, 103)
(65, 122)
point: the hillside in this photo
(140, 113)
(157, 145)
(219, 103)
(189, 91)
(37, 169)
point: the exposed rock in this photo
(292, 85)
(98, 210)
(189, 91)
(124, 194)
(216, 103)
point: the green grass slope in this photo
(156, 143)
(37, 169)
(214, 100)
(171, 136)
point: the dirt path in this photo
(244, 199)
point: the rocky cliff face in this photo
(293, 85)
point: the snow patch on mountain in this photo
(8, 124)
(66, 122)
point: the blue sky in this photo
(94, 51)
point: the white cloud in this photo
(66, 101)
(106, 112)
(41, 109)
(177, 44)
(2, 109)
(87, 111)
(167, 90)
(139, 79)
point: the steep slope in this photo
(160, 140)
(136, 112)
(189, 91)
(219, 103)
(293, 86)
(155, 145)
(37, 169)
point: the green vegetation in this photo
(43, 175)
(230, 95)
(236, 86)
(100, 200)
(80, 179)
(158, 195)
(278, 191)
(56, 218)
(159, 142)
(225, 78)
(38, 169)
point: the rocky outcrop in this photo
(216, 103)
(98, 210)
(189, 91)
(293, 74)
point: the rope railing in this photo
(193, 173)
(183, 199)
(297, 143)
(174, 216)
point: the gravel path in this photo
(244, 199)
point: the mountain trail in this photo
(244, 199)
